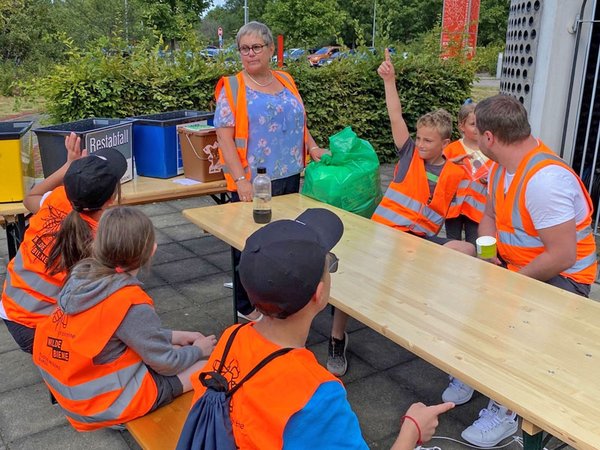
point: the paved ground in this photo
(186, 282)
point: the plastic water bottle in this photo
(261, 186)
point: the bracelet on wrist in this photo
(313, 148)
(413, 420)
(240, 178)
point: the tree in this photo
(305, 23)
(493, 21)
(173, 18)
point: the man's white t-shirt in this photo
(553, 196)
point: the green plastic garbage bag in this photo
(348, 178)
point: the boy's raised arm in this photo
(392, 100)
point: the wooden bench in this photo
(160, 429)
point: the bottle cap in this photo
(261, 170)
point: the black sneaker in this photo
(337, 363)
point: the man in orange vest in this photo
(293, 402)
(540, 213)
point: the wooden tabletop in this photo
(530, 346)
(143, 190)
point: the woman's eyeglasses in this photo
(256, 48)
(333, 262)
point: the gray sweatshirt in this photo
(140, 330)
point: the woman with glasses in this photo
(260, 121)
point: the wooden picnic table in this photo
(528, 345)
(137, 191)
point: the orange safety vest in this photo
(30, 294)
(94, 395)
(472, 195)
(235, 91)
(518, 240)
(408, 205)
(262, 407)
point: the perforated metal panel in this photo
(518, 65)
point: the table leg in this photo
(533, 436)
(221, 198)
(15, 230)
(234, 290)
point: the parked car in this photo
(293, 54)
(322, 53)
(209, 52)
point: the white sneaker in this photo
(457, 392)
(228, 285)
(493, 426)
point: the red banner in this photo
(459, 28)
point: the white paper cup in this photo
(486, 247)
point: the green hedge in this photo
(347, 92)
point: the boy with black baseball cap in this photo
(292, 401)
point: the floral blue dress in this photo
(276, 131)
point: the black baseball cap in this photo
(91, 181)
(283, 262)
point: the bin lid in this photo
(14, 129)
(170, 118)
(196, 129)
(82, 127)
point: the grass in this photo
(478, 93)
(12, 106)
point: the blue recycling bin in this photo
(156, 147)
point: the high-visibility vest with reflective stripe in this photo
(29, 293)
(518, 240)
(472, 195)
(262, 407)
(407, 205)
(94, 395)
(235, 92)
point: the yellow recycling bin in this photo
(16, 161)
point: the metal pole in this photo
(245, 12)
(374, 14)
(126, 24)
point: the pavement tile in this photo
(171, 252)
(206, 245)
(168, 220)
(357, 368)
(162, 238)
(66, 437)
(222, 260)
(194, 319)
(150, 278)
(17, 370)
(322, 322)
(206, 289)
(379, 403)
(377, 350)
(27, 411)
(173, 272)
(7, 343)
(166, 299)
(192, 202)
(157, 209)
(183, 232)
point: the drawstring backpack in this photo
(208, 425)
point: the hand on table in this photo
(244, 189)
